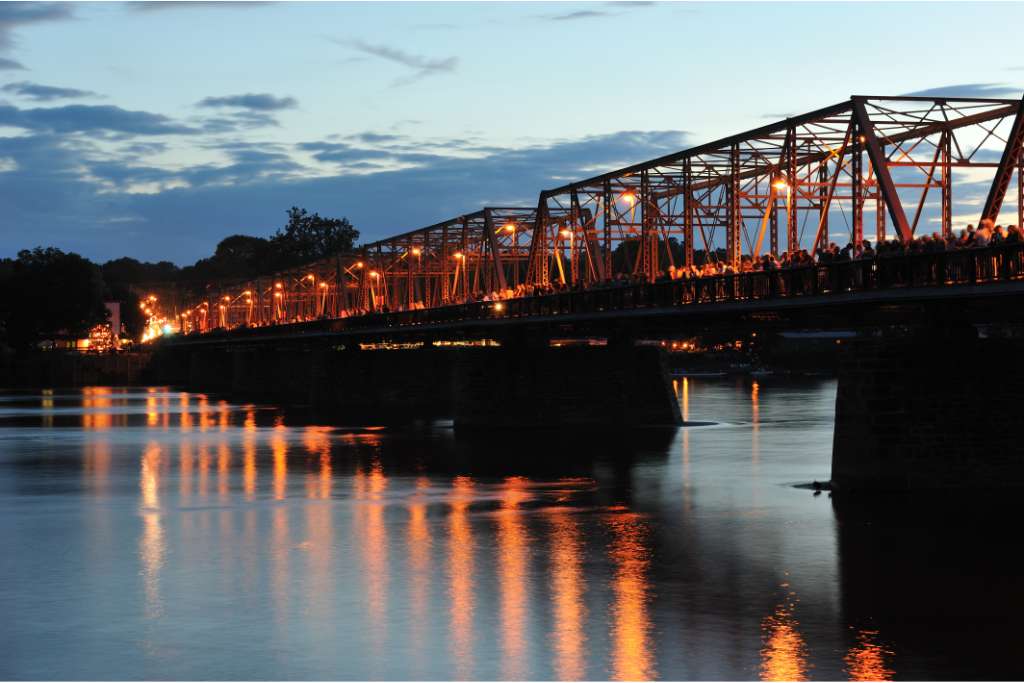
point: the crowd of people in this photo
(987, 234)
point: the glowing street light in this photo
(509, 227)
(459, 255)
(499, 307)
(780, 184)
(416, 251)
(628, 197)
(374, 274)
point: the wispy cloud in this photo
(11, 65)
(45, 93)
(194, 4)
(579, 14)
(995, 90)
(421, 66)
(14, 15)
(80, 118)
(252, 101)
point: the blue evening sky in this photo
(155, 129)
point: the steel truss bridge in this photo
(875, 167)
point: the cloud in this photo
(579, 14)
(17, 14)
(10, 65)
(421, 66)
(44, 93)
(993, 90)
(71, 189)
(193, 4)
(79, 118)
(252, 101)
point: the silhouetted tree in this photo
(47, 292)
(308, 237)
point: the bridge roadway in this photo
(956, 287)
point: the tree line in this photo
(46, 291)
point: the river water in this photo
(150, 533)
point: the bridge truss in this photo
(870, 166)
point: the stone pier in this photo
(931, 411)
(513, 386)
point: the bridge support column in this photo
(523, 386)
(934, 411)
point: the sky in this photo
(154, 130)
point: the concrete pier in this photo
(514, 386)
(935, 410)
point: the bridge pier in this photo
(933, 411)
(519, 386)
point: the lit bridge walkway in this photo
(906, 165)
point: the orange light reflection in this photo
(866, 661)
(567, 587)
(632, 656)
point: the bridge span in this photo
(687, 244)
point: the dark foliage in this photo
(47, 292)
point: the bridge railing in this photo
(929, 269)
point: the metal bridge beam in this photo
(1007, 164)
(878, 162)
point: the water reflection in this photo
(783, 651)
(568, 584)
(420, 542)
(513, 558)
(632, 656)
(866, 660)
(152, 545)
(312, 552)
(460, 572)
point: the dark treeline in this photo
(45, 292)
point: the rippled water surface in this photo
(149, 533)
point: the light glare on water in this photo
(151, 533)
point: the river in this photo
(151, 533)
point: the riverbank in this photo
(60, 369)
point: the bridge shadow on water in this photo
(940, 577)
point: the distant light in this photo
(861, 138)
(359, 264)
(509, 227)
(168, 329)
(323, 285)
(277, 295)
(374, 274)
(780, 184)
(278, 285)
(310, 277)
(227, 298)
(499, 307)
(416, 251)
(247, 293)
(459, 255)
(566, 233)
(628, 197)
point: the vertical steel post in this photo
(445, 285)
(734, 216)
(823, 207)
(792, 229)
(946, 180)
(687, 214)
(608, 213)
(648, 231)
(857, 189)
